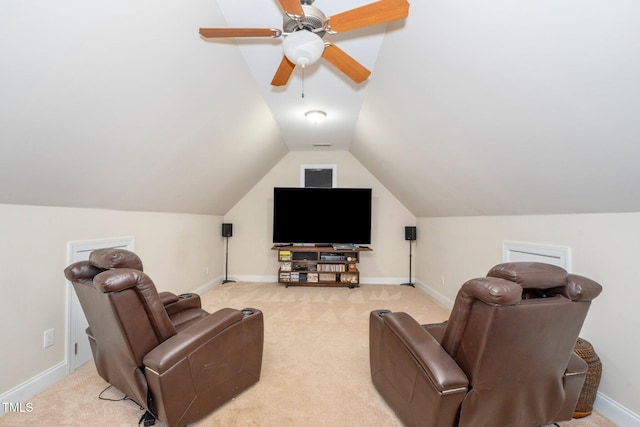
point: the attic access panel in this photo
(556, 255)
(318, 176)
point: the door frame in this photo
(78, 251)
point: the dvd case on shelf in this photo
(285, 266)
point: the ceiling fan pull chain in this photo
(302, 83)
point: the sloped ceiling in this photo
(501, 108)
(473, 108)
(120, 105)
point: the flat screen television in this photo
(322, 215)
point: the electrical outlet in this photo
(49, 338)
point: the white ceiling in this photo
(472, 108)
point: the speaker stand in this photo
(409, 283)
(226, 265)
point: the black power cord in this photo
(125, 397)
(147, 419)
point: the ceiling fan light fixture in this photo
(315, 116)
(303, 47)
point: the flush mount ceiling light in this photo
(315, 116)
(303, 47)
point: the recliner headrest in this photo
(531, 275)
(579, 288)
(491, 290)
(115, 258)
(81, 270)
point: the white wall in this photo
(251, 257)
(176, 251)
(604, 247)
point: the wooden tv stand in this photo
(318, 266)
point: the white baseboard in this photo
(25, 391)
(207, 286)
(382, 280)
(434, 294)
(259, 279)
(615, 412)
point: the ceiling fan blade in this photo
(371, 14)
(292, 7)
(345, 63)
(283, 73)
(239, 32)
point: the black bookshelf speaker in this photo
(410, 233)
(227, 230)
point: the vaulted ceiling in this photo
(473, 108)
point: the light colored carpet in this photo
(315, 368)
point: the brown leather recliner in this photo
(504, 358)
(163, 351)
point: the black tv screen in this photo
(322, 215)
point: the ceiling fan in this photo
(304, 28)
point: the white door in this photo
(78, 344)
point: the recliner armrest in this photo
(413, 372)
(440, 368)
(182, 302)
(576, 366)
(167, 297)
(179, 346)
(205, 365)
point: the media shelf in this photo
(318, 266)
